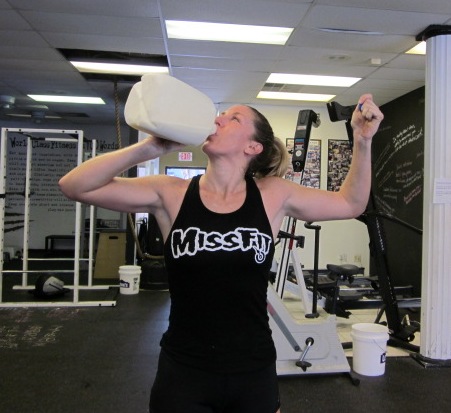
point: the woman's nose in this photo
(220, 120)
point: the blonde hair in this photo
(273, 160)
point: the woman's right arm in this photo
(97, 181)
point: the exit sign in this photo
(185, 156)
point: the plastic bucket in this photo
(129, 276)
(369, 346)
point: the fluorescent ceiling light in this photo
(420, 48)
(220, 32)
(67, 99)
(292, 79)
(312, 97)
(118, 68)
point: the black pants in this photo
(181, 389)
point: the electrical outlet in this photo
(358, 259)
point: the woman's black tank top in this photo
(218, 271)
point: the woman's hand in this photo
(159, 146)
(366, 118)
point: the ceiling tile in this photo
(253, 12)
(12, 20)
(358, 18)
(103, 25)
(421, 6)
(144, 8)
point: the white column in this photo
(435, 343)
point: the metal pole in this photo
(2, 204)
(91, 226)
(78, 227)
(26, 228)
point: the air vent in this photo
(349, 31)
(280, 87)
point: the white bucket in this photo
(369, 348)
(129, 276)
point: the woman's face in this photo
(234, 131)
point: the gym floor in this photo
(103, 359)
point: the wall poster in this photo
(338, 163)
(312, 169)
(50, 211)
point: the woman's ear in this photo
(254, 148)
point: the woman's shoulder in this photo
(167, 181)
(168, 188)
(272, 183)
(279, 188)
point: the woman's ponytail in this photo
(273, 160)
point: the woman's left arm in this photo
(352, 198)
(356, 187)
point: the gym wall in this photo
(398, 165)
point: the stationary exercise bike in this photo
(312, 346)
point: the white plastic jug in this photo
(164, 106)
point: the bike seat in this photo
(347, 270)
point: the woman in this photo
(219, 229)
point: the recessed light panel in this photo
(219, 32)
(311, 97)
(117, 68)
(67, 99)
(312, 80)
(420, 48)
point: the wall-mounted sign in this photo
(185, 156)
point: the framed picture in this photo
(312, 169)
(339, 159)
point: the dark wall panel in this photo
(398, 170)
